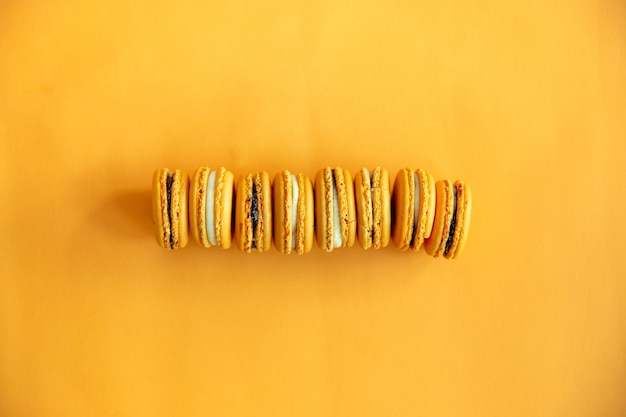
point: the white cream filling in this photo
(210, 208)
(416, 198)
(294, 210)
(336, 221)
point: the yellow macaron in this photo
(373, 212)
(169, 207)
(253, 212)
(335, 218)
(452, 220)
(293, 212)
(413, 203)
(210, 207)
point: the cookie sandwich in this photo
(413, 204)
(452, 220)
(335, 218)
(169, 207)
(253, 212)
(211, 207)
(293, 212)
(373, 207)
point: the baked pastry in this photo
(414, 208)
(373, 207)
(169, 207)
(452, 220)
(293, 212)
(253, 212)
(335, 219)
(211, 207)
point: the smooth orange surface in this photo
(526, 101)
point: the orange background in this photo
(526, 101)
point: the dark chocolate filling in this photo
(168, 186)
(254, 213)
(452, 225)
(413, 235)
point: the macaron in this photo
(414, 208)
(211, 207)
(452, 220)
(373, 207)
(335, 218)
(293, 212)
(253, 212)
(169, 208)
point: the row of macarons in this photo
(292, 210)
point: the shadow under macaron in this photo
(129, 214)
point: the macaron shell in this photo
(463, 216)
(403, 202)
(382, 208)
(426, 213)
(243, 221)
(435, 244)
(324, 209)
(264, 226)
(432, 201)
(364, 204)
(347, 200)
(342, 196)
(197, 206)
(224, 187)
(179, 209)
(159, 208)
(282, 199)
(347, 210)
(305, 210)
